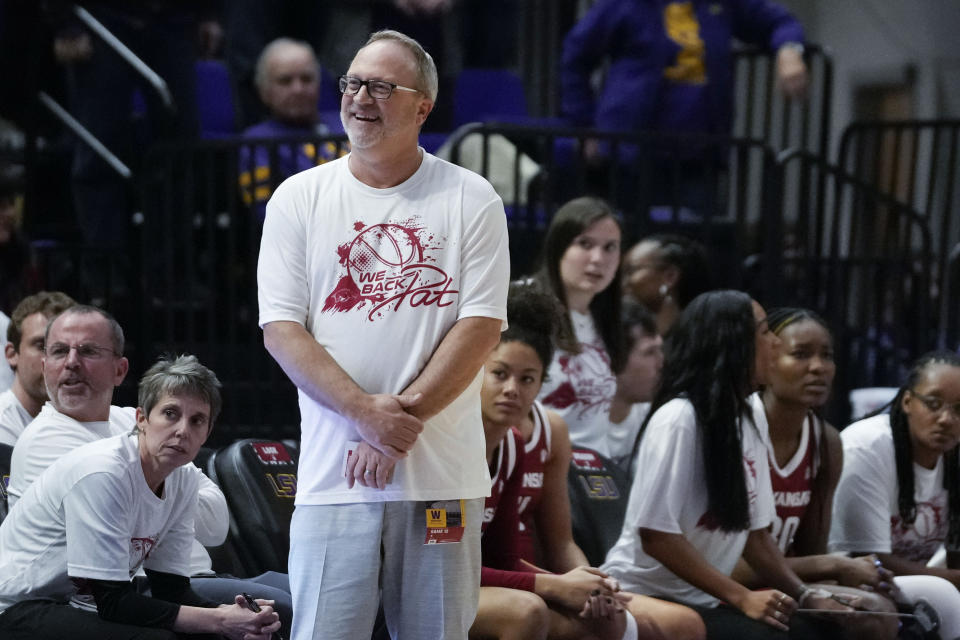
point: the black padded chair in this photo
(6, 451)
(259, 480)
(598, 502)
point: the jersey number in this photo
(783, 531)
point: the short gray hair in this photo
(426, 68)
(183, 375)
(260, 78)
(116, 330)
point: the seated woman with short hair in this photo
(72, 543)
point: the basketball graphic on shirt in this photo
(390, 265)
(382, 247)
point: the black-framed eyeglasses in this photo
(60, 351)
(936, 405)
(379, 89)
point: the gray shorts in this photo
(342, 556)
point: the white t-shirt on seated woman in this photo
(92, 515)
(669, 494)
(866, 513)
(580, 386)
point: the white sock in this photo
(631, 632)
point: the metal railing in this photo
(918, 163)
(191, 285)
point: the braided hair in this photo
(779, 319)
(690, 259)
(709, 359)
(903, 451)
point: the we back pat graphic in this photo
(386, 266)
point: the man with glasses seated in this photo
(83, 363)
(382, 282)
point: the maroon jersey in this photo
(502, 472)
(536, 452)
(499, 542)
(793, 485)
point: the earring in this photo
(664, 290)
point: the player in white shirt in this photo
(701, 497)
(24, 350)
(897, 496)
(71, 545)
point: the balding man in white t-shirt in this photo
(382, 281)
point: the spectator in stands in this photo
(664, 272)
(527, 517)
(670, 70)
(897, 497)
(288, 81)
(805, 458)
(636, 383)
(71, 545)
(82, 365)
(701, 497)
(24, 352)
(581, 260)
(392, 258)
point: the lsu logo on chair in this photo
(284, 484)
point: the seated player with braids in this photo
(805, 458)
(701, 497)
(898, 495)
(518, 600)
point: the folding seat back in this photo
(598, 502)
(259, 480)
(6, 451)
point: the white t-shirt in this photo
(866, 516)
(618, 445)
(52, 435)
(378, 277)
(580, 386)
(669, 494)
(92, 515)
(13, 417)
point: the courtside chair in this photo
(598, 502)
(259, 480)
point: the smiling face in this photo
(512, 377)
(292, 85)
(803, 367)
(931, 410)
(81, 386)
(172, 434)
(369, 122)
(592, 259)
